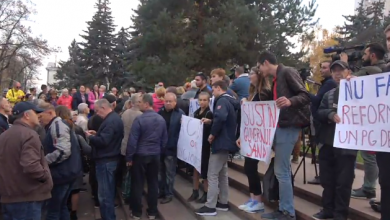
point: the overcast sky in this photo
(61, 21)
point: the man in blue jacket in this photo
(147, 140)
(222, 139)
(172, 116)
(107, 143)
(241, 84)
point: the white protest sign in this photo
(189, 146)
(364, 110)
(211, 105)
(258, 125)
(194, 105)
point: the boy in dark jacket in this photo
(337, 165)
(222, 139)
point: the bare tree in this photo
(16, 39)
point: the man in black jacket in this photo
(326, 84)
(222, 139)
(79, 97)
(337, 165)
(106, 151)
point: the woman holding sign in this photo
(206, 116)
(259, 90)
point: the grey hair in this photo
(103, 102)
(133, 98)
(81, 108)
(132, 90)
(147, 98)
(103, 87)
(172, 94)
(37, 102)
(65, 90)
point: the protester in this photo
(63, 156)
(93, 96)
(5, 112)
(147, 140)
(336, 164)
(292, 98)
(241, 84)
(158, 99)
(65, 99)
(172, 116)
(106, 153)
(82, 116)
(15, 94)
(201, 83)
(52, 98)
(79, 97)
(259, 90)
(25, 179)
(206, 116)
(222, 140)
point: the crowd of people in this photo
(124, 141)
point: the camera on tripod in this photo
(233, 70)
(354, 53)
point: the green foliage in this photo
(175, 39)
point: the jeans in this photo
(167, 175)
(22, 210)
(384, 181)
(370, 171)
(57, 206)
(250, 167)
(285, 139)
(144, 166)
(105, 175)
(337, 174)
(217, 177)
(92, 180)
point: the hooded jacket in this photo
(224, 126)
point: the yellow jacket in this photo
(12, 96)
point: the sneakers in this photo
(252, 206)
(322, 215)
(362, 194)
(255, 207)
(222, 207)
(206, 211)
(244, 206)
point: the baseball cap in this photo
(110, 98)
(25, 106)
(343, 64)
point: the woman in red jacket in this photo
(65, 99)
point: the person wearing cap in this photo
(62, 152)
(15, 94)
(106, 150)
(25, 179)
(337, 165)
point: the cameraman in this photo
(372, 60)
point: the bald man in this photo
(15, 94)
(172, 116)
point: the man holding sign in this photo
(337, 165)
(292, 98)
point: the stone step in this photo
(359, 209)
(169, 211)
(304, 209)
(183, 190)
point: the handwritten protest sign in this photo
(189, 146)
(258, 126)
(364, 110)
(194, 105)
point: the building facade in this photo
(51, 72)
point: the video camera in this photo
(354, 53)
(233, 70)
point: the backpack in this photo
(271, 183)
